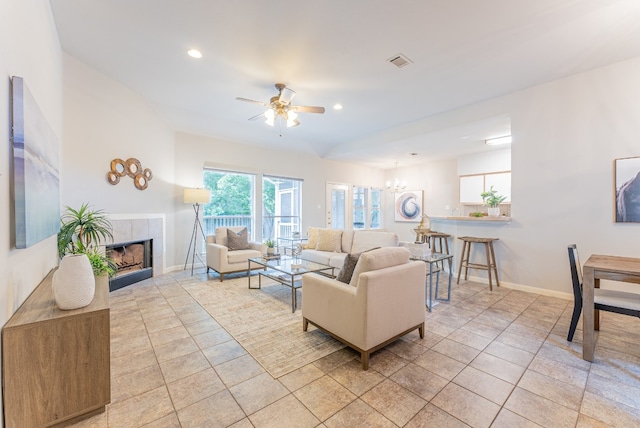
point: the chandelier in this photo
(397, 186)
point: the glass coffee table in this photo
(287, 271)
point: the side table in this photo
(291, 243)
(434, 259)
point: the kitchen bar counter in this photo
(501, 219)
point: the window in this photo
(281, 207)
(367, 208)
(359, 207)
(232, 200)
(375, 208)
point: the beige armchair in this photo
(224, 260)
(384, 301)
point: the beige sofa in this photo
(384, 300)
(223, 260)
(350, 242)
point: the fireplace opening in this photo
(134, 261)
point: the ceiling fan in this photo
(280, 105)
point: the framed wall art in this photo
(408, 206)
(35, 168)
(627, 203)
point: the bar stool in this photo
(435, 240)
(491, 258)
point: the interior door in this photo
(338, 206)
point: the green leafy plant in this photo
(101, 264)
(270, 243)
(81, 231)
(491, 197)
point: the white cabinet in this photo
(471, 186)
(501, 182)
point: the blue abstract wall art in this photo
(408, 206)
(35, 169)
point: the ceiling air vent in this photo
(399, 60)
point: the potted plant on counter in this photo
(493, 200)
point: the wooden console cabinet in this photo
(55, 363)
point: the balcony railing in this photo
(210, 223)
(273, 227)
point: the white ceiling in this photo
(336, 51)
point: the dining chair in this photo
(620, 302)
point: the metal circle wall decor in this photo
(140, 181)
(118, 167)
(113, 177)
(147, 174)
(133, 168)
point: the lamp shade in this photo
(197, 196)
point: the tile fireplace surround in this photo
(140, 227)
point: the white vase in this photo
(73, 283)
(494, 212)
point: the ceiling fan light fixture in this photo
(279, 106)
(286, 95)
(270, 114)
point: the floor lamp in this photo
(195, 197)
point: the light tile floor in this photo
(496, 359)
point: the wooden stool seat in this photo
(435, 241)
(490, 257)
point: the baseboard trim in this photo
(522, 287)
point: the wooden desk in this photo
(614, 268)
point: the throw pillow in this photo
(312, 235)
(350, 262)
(237, 240)
(329, 240)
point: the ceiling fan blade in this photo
(308, 109)
(247, 100)
(257, 116)
(286, 95)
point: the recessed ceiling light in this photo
(337, 107)
(498, 140)
(413, 154)
(194, 53)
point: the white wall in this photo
(566, 135)
(29, 48)
(105, 121)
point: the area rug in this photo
(262, 322)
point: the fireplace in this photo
(134, 261)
